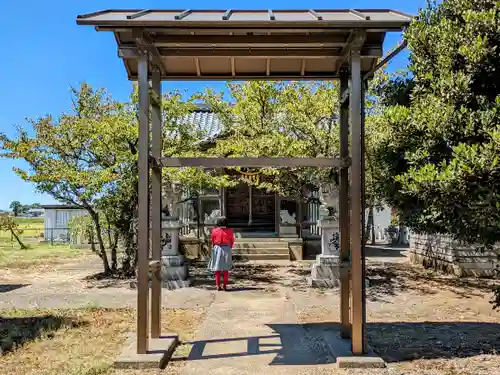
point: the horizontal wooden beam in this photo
(209, 40)
(241, 30)
(130, 52)
(255, 162)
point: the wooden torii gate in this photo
(186, 45)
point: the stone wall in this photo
(443, 253)
(312, 247)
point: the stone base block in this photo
(172, 260)
(340, 349)
(177, 284)
(360, 362)
(296, 249)
(325, 273)
(322, 283)
(175, 272)
(160, 352)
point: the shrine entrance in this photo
(194, 45)
(249, 209)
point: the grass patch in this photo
(77, 342)
(29, 222)
(32, 230)
(38, 254)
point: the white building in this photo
(56, 220)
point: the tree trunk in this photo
(370, 227)
(114, 249)
(22, 245)
(373, 225)
(401, 240)
(102, 248)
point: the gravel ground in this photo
(419, 321)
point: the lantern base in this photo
(325, 272)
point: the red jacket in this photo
(222, 236)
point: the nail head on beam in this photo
(138, 14)
(227, 15)
(183, 14)
(315, 14)
(359, 14)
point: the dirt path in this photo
(420, 322)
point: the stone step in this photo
(241, 257)
(259, 239)
(284, 250)
(260, 245)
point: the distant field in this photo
(30, 222)
(38, 254)
(32, 228)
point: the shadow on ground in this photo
(320, 343)
(102, 281)
(289, 345)
(16, 331)
(389, 279)
(389, 251)
(5, 288)
(397, 342)
(250, 276)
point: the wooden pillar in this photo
(223, 208)
(358, 347)
(250, 213)
(156, 146)
(298, 202)
(277, 216)
(344, 209)
(364, 85)
(143, 216)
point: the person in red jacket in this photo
(222, 244)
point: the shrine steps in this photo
(261, 248)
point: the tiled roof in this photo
(207, 121)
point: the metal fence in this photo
(39, 235)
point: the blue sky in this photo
(45, 53)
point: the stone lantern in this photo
(325, 271)
(174, 267)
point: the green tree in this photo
(446, 178)
(16, 208)
(74, 158)
(8, 224)
(88, 158)
(440, 146)
(279, 119)
(292, 119)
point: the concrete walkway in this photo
(251, 332)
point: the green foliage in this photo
(16, 208)
(78, 157)
(82, 227)
(88, 157)
(8, 224)
(279, 119)
(438, 138)
(453, 172)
